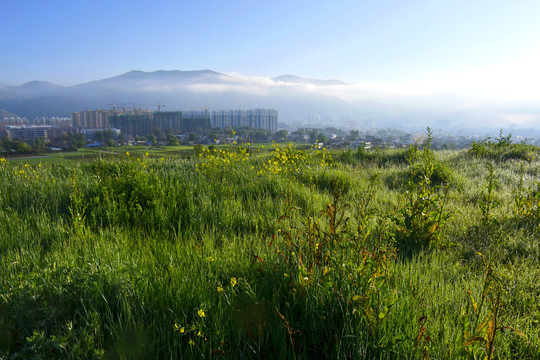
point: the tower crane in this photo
(158, 106)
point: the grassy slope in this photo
(122, 257)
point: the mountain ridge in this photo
(180, 89)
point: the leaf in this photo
(420, 334)
(473, 340)
(490, 332)
(473, 302)
(515, 330)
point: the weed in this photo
(488, 201)
(422, 214)
(487, 317)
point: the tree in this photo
(281, 135)
(171, 139)
(39, 144)
(321, 138)
(193, 136)
(23, 147)
(313, 134)
(121, 138)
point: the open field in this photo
(271, 252)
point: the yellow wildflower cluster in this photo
(213, 160)
(283, 161)
(289, 161)
(26, 172)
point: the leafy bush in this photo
(503, 149)
(422, 212)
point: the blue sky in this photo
(423, 45)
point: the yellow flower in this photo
(233, 282)
(201, 313)
(127, 153)
(182, 330)
(209, 259)
(146, 154)
(191, 342)
(220, 289)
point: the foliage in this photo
(258, 251)
(422, 213)
(488, 201)
(327, 261)
(527, 202)
(503, 149)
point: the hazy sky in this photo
(472, 47)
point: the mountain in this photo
(4, 113)
(177, 90)
(305, 101)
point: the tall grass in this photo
(283, 253)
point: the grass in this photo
(267, 253)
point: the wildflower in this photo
(127, 153)
(220, 289)
(201, 313)
(233, 282)
(146, 154)
(209, 259)
(191, 342)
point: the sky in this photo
(476, 49)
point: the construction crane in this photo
(158, 106)
(113, 107)
(124, 108)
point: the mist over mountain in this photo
(298, 100)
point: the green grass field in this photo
(271, 252)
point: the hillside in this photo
(274, 251)
(4, 113)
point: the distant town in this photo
(135, 126)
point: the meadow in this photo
(272, 252)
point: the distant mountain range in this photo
(297, 99)
(293, 96)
